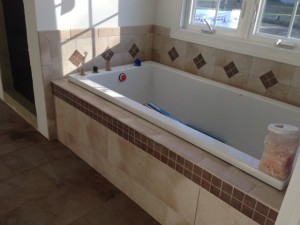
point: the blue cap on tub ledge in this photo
(137, 62)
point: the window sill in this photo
(238, 45)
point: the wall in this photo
(161, 17)
(56, 15)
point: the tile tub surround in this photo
(265, 77)
(60, 51)
(244, 197)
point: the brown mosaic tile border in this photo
(242, 202)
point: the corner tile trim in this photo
(252, 208)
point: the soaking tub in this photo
(225, 121)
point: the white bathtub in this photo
(237, 117)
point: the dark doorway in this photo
(14, 18)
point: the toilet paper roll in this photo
(283, 129)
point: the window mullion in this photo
(293, 19)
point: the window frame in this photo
(245, 42)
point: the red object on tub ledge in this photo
(122, 77)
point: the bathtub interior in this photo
(238, 118)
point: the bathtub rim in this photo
(223, 151)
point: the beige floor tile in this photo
(5, 172)
(119, 210)
(28, 214)
(80, 221)
(28, 158)
(20, 189)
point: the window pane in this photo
(229, 13)
(205, 9)
(296, 26)
(276, 17)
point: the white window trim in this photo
(235, 44)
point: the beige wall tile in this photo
(85, 137)
(296, 78)
(209, 54)
(190, 67)
(193, 50)
(68, 67)
(239, 80)
(255, 85)
(220, 75)
(173, 218)
(65, 34)
(140, 40)
(87, 48)
(83, 33)
(207, 71)
(101, 44)
(149, 40)
(127, 58)
(55, 51)
(127, 157)
(127, 41)
(113, 174)
(44, 44)
(67, 48)
(278, 92)
(149, 202)
(162, 30)
(172, 188)
(293, 96)
(242, 62)
(63, 123)
(104, 32)
(51, 35)
(117, 60)
(284, 73)
(114, 43)
(115, 31)
(213, 211)
(260, 66)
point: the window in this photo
(263, 28)
(218, 13)
(280, 18)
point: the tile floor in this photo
(43, 182)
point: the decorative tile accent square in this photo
(199, 61)
(231, 69)
(134, 50)
(76, 58)
(268, 79)
(108, 54)
(173, 54)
